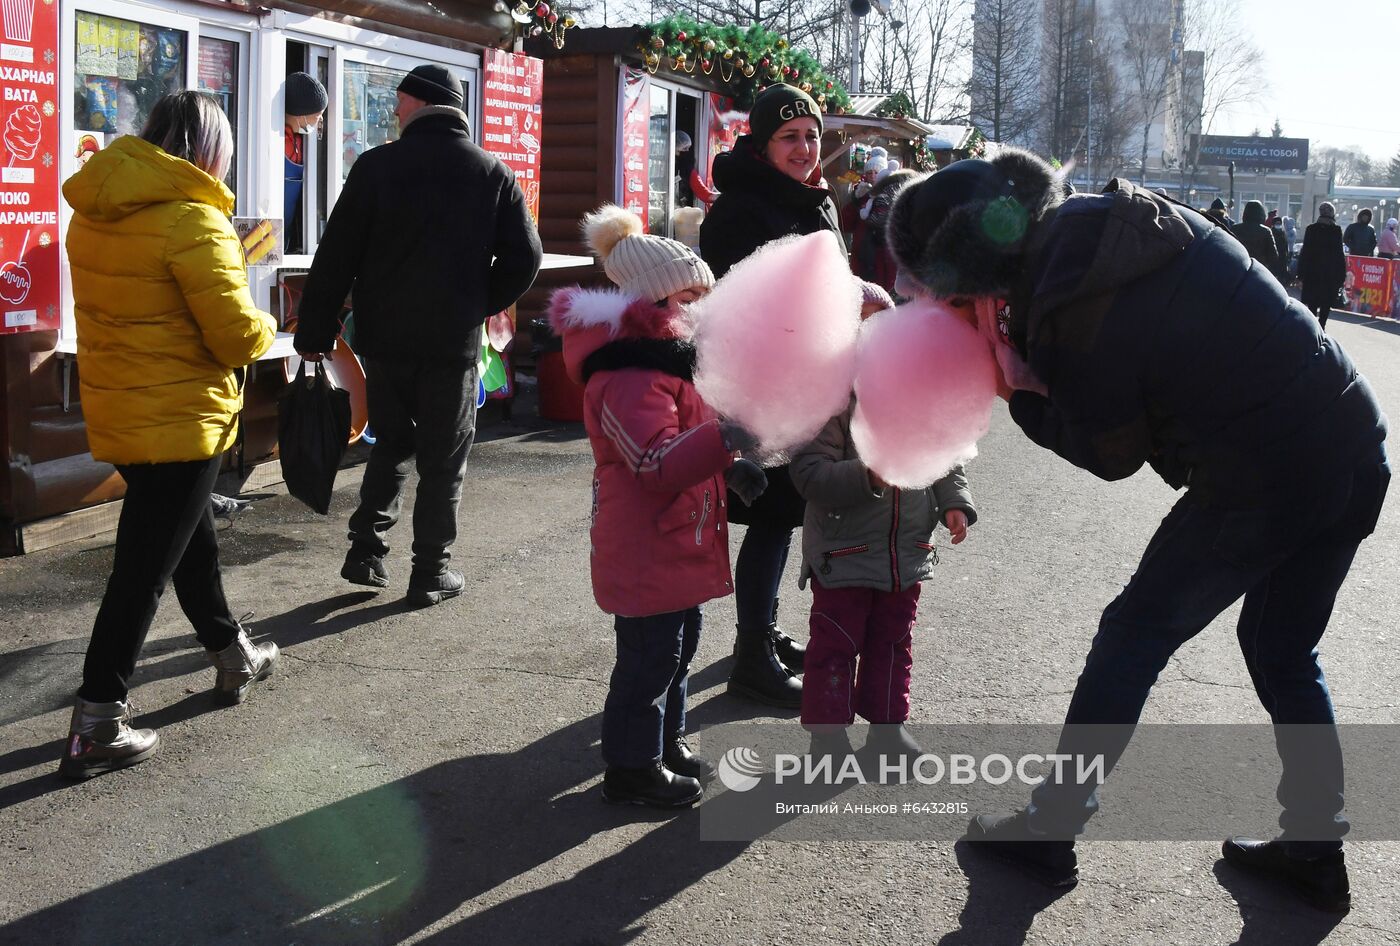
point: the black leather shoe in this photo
(678, 757)
(424, 592)
(1322, 881)
(759, 675)
(1007, 838)
(367, 570)
(654, 786)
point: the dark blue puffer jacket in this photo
(1162, 342)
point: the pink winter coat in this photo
(660, 536)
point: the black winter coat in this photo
(1360, 239)
(758, 203)
(1322, 264)
(1258, 241)
(414, 232)
(1160, 343)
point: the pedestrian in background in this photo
(1388, 244)
(433, 235)
(166, 326)
(1322, 263)
(1258, 239)
(1220, 215)
(1275, 225)
(1360, 236)
(658, 532)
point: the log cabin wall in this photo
(578, 166)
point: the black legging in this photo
(1321, 311)
(166, 531)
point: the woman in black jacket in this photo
(1322, 266)
(770, 186)
(1257, 238)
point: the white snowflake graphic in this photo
(47, 159)
(49, 56)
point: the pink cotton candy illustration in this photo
(776, 340)
(925, 383)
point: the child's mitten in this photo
(747, 479)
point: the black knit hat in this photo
(304, 95)
(778, 105)
(963, 230)
(434, 85)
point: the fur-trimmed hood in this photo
(588, 319)
(963, 231)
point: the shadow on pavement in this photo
(1389, 326)
(1272, 916)
(394, 861)
(1001, 903)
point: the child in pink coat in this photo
(660, 541)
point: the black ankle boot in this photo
(1322, 881)
(792, 653)
(1008, 838)
(758, 673)
(654, 786)
(678, 757)
(889, 753)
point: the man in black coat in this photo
(1140, 333)
(434, 236)
(1322, 263)
(1258, 240)
(1360, 236)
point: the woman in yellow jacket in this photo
(166, 326)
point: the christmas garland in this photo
(747, 59)
(897, 105)
(537, 19)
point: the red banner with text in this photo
(635, 109)
(1370, 286)
(510, 117)
(29, 264)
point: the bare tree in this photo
(1005, 83)
(1145, 48)
(1219, 71)
(1112, 120)
(1066, 57)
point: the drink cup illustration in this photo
(19, 19)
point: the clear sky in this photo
(1329, 78)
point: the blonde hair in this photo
(193, 126)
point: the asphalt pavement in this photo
(431, 776)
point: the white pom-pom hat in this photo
(650, 267)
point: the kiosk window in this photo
(368, 109)
(218, 74)
(121, 70)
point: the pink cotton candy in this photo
(776, 340)
(925, 383)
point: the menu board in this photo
(510, 117)
(29, 265)
(632, 158)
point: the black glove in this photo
(736, 438)
(747, 479)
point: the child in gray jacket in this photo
(866, 546)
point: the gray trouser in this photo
(423, 411)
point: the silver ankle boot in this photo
(240, 665)
(100, 740)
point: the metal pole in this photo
(855, 53)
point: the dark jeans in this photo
(166, 531)
(423, 411)
(758, 574)
(1288, 563)
(646, 697)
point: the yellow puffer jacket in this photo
(162, 304)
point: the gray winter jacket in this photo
(854, 537)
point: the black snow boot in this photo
(1322, 881)
(792, 653)
(758, 673)
(654, 786)
(1008, 838)
(889, 754)
(678, 757)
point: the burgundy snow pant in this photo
(878, 628)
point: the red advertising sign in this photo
(29, 269)
(635, 125)
(1370, 285)
(510, 117)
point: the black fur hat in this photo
(962, 231)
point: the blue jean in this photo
(1288, 562)
(646, 697)
(758, 574)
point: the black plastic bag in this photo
(313, 430)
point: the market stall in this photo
(79, 73)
